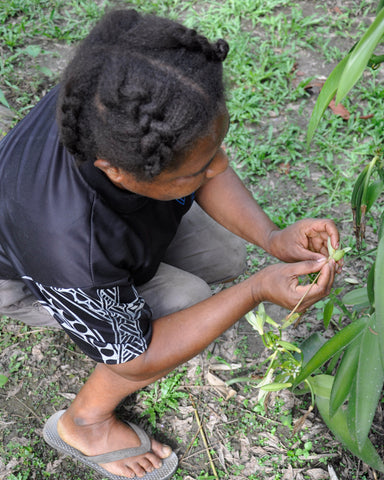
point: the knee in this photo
(189, 293)
(236, 257)
(230, 260)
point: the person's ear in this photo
(113, 173)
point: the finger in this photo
(315, 292)
(308, 266)
(325, 229)
(332, 232)
(327, 275)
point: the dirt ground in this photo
(46, 371)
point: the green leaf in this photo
(339, 426)
(344, 377)
(334, 345)
(311, 345)
(373, 192)
(288, 346)
(359, 296)
(366, 189)
(371, 285)
(369, 382)
(326, 94)
(3, 100)
(379, 295)
(327, 314)
(359, 57)
(32, 50)
(274, 387)
(3, 380)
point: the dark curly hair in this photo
(139, 91)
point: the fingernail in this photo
(320, 260)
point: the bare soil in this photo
(46, 371)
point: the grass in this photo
(277, 48)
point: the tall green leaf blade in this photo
(379, 295)
(338, 425)
(373, 192)
(359, 57)
(334, 345)
(371, 285)
(327, 313)
(369, 382)
(325, 96)
(344, 377)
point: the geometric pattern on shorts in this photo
(110, 329)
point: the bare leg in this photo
(90, 424)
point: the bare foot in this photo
(109, 435)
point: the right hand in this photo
(279, 283)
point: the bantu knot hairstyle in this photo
(139, 91)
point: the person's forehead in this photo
(206, 146)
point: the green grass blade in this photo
(3, 100)
(344, 377)
(359, 57)
(326, 94)
(334, 345)
(339, 426)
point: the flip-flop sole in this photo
(53, 439)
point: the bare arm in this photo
(226, 199)
(181, 335)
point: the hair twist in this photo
(139, 91)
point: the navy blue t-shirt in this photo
(80, 243)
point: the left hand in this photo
(304, 240)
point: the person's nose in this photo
(218, 165)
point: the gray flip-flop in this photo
(53, 439)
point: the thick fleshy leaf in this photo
(359, 57)
(326, 95)
(344, 377)
(369, 382)
(379, 295)
(371, 285)
(358, 296)
(327, 313)
(373, 192)
(322, 385)
(310, 346)
(334, 345)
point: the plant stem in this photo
(301, 300)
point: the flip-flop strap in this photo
(145, 446)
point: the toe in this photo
(161, 450)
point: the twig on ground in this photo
(26, 406)
(30, 332)
(299, 424)
(184, 456)
(203, 436)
